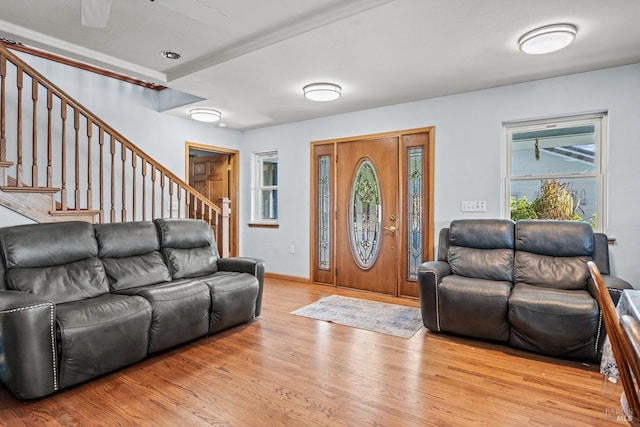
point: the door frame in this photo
(329, 147)
(234, 188)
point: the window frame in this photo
(599, 121)
(259, 160)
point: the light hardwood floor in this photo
(288, 370)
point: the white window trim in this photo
(600, 120)
(258, 158)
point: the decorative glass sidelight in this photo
(365, 213)
(324, 214)
(414, 212)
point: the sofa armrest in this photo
(28, 357)
(430, 275)
(249, 265)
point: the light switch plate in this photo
(473, 206)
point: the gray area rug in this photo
(391, 319)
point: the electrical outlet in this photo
(473, 206)
(292, 249)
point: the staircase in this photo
(60, 162)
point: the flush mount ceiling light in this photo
(205, 115)
(547, 39)
(322, 91)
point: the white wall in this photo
(133, 111)
(469, 157)
(468, 147)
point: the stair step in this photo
(6, 164)
(41, 190)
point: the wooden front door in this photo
(372, 211)
(366, 215)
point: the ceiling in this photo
(249, 59)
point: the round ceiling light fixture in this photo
(547, 39)
(205, 115)
(322, 91)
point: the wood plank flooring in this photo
(285, 370)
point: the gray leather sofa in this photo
(524, 283)
(79, 300)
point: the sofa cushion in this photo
(126, 239)
(130, 252)
(233, 298)
(101, 334)
(555, 238)
(188, 247)
(482, 233)
(133, 271)
(557, 322)
(45, 245)
(482, 248)
(490, 264)
(180, 311)
(185, 233)
(553, 253)
(187, 263)
(62, 283)
(56, 261)
(474, 307)
(550, 271)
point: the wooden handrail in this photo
(127, 165)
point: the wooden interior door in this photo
(367, 230)
(210, 176)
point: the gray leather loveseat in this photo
(524, 283)
(79, 300)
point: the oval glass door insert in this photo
(365, 213)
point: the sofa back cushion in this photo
(130, 253)
(188, 247)
(57, 261)
(553, 254)
(482, 248)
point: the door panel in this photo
(367, 253)
(210, 177)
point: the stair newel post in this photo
(3, 113)
(223, 231)
(76, 127)
(144, 188)
(134, 166)
(101, 145)
(49, 138)
(112, 177)
(153, 191)
(34, 133)
(89, 162)
(19, 84)
(63, 160)
(123, 214)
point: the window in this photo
(557, 165)
(266, 196)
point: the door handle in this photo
(391, 229)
